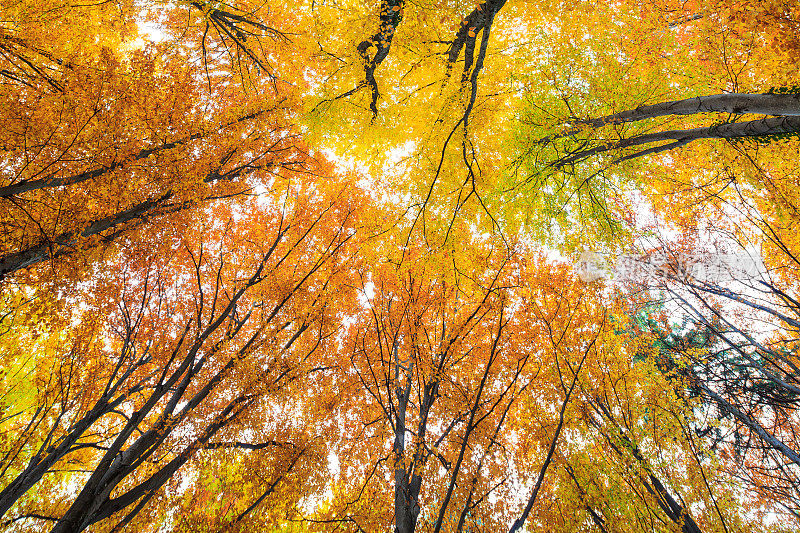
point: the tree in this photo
(133, 133)
(205, 325)
(734, 189)
(657, 55)
(56, 201)
(744, 375)
(458, 386)
(783, 108)
(178, 364)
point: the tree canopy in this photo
(430, 266)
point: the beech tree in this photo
(436, 436)
(743, 374)
(189, 359)
(784, 109)
(133, 132)
(53, 203)
(307, 266)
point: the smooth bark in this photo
(676, 138)
(732, 103)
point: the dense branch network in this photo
(232, 169)
(442, 381)
(27, 63)
(236, 28)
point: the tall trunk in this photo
(54, 180)
(769, 439)
(67, 242)
(95, 505)
(406, 482)
(677, 138)
(60, 181)
(674, 510)
(732, 103)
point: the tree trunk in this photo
(67, 242)
(732, 103)
(677, 138)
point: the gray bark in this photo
(67, 242)
(674, 510)
(407, 483)
(732, 103)
(677, 138)
(54, 180)
(757, 428)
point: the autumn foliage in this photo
(324, 266)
